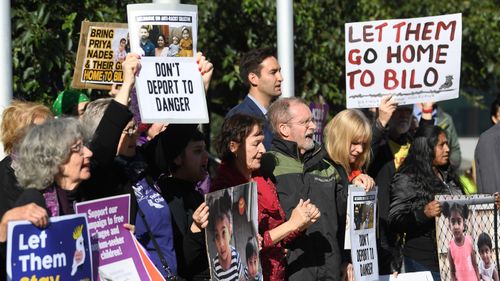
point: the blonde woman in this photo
(347, 140)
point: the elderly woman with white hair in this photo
(51, 159)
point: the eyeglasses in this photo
(77, 148)
(305, 123)
(131, 130)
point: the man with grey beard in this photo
(297, 166)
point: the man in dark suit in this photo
(487, 155)
(261, 72)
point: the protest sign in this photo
(116, 255)
(231, 233)
(59, 252)
(363, 233)
(102, 49)
(415, 60)
(466, 243)
(319, 110)
(413, 276)
(169, 86)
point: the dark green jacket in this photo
(315, 254)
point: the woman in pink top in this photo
(461, 255)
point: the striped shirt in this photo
(234, 271)
(257, 277)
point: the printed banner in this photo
(102, 49)
(231, 233)
(415, 60)
(59, 252)
(363, 234)
(115, 255)
(169, 86)
(466, 237)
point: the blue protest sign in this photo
(59, 252)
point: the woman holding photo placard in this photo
(240, 144)
(426, 172)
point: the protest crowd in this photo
(83, 150)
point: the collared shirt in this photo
(263, 109)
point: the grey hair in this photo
(93, 115)
(43, 150)
(278, 112)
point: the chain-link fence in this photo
(466, 235)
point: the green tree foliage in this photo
(45, 36)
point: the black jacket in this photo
(9, 187)
(190, 248)
(315, 254)
(106, 177)
(406, 215)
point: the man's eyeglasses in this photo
(305, 123)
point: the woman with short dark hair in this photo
(241, 147)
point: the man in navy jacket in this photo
(261, 72)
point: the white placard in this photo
(415, 60)
(169, 86)
(363, 207)
(414, 276)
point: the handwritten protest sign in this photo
(59, 252)
(169, 86)
(363, 233)
(101, 51)
(416, 60)
(466, 243)
(116, 256)
(231, 233)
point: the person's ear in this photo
(253, 79)
(494, 119)
(284, 130)
(178, 160)
(233, 146)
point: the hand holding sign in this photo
(206, 69)
(432, 209)
(386, 108)
(131, 67)
(200, 218)
(31, 212)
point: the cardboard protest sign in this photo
(231, 233)
(466, 237)
(59, 252)
(363, 239)
(415, 60)
(102, 49)
(169, 86)
(116, 255)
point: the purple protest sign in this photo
(116, 256)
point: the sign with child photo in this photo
(415, 60)
(361, 232)
(232, 233)
(102, 48)
(169, 86)
(467, 248)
